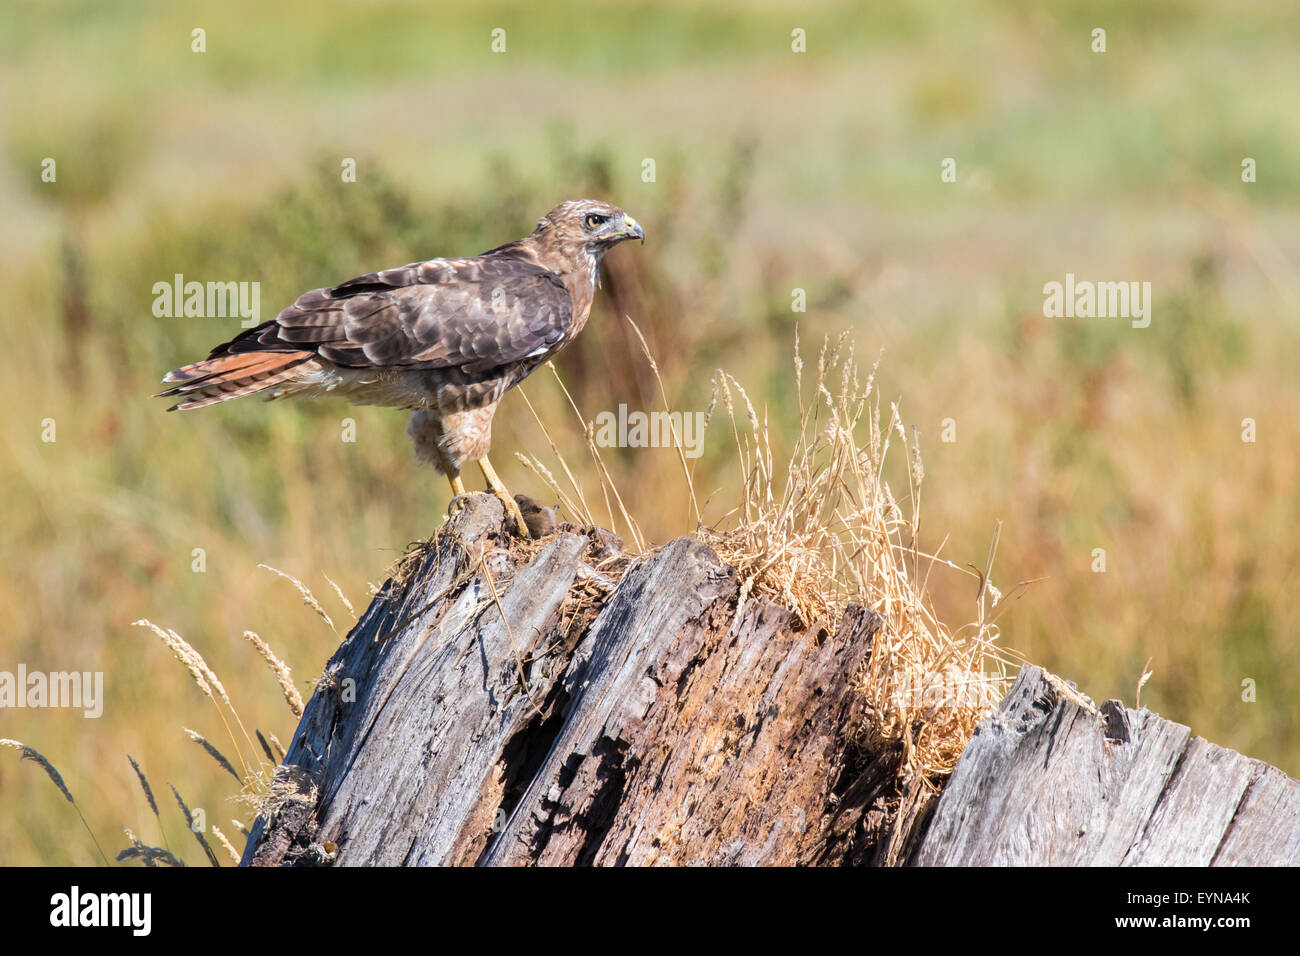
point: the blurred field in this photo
(775, 171)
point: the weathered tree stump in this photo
(555, 703)
(663, 729)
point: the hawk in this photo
(443, 338)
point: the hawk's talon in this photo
(515, 516)
(458, 494)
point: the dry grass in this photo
(258, 771)
(208, 682)
(34, 755)
(212, 752)
(153, 805)
(823, 529)
(574, 499)
(258, 767)
(283, 675)
(197, 831)
(308, 598)
(226, 844)
(148, 855)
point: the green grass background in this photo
(775, 171)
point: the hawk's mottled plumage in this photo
(445, 338)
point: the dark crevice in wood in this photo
(611, 778)
(524, 753)
(1116, 721)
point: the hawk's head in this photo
(583, 228)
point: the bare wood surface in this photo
(1050, 779)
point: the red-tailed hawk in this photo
(445, 338)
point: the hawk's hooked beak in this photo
(632, 229)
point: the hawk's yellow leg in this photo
(457, 485)
(498, 488)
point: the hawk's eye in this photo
(594, 221)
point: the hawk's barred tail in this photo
(231, 376)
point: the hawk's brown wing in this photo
(473, 314)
